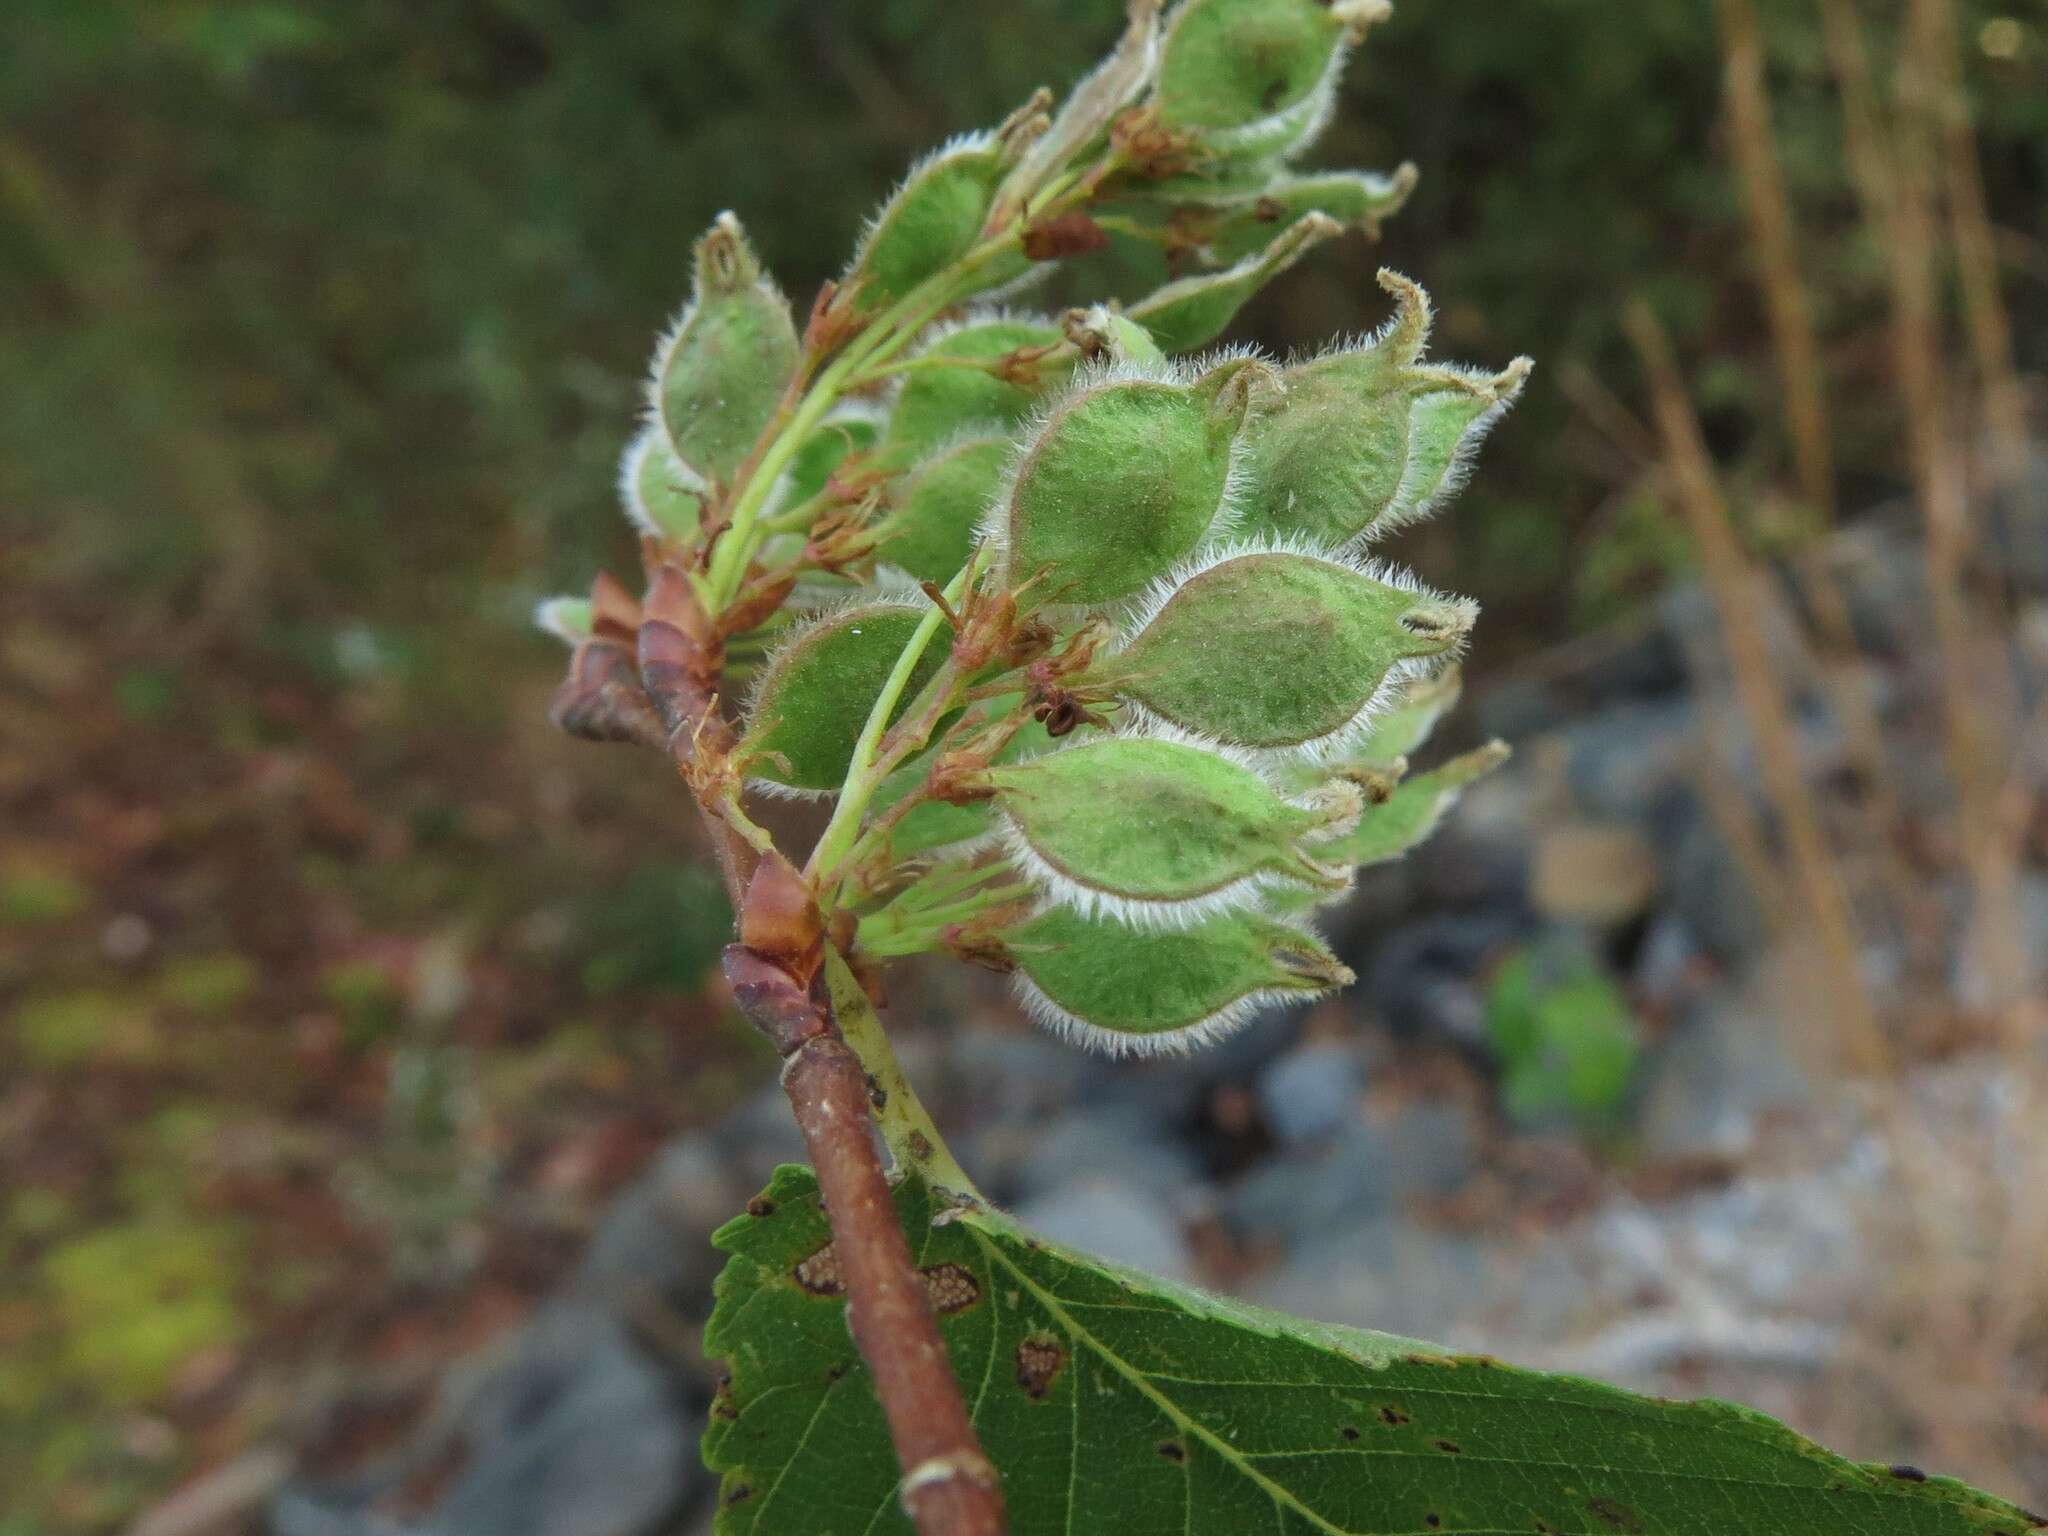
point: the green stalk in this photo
(865, 774)
(907, 1129)
(886, 935)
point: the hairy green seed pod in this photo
(854, 427)
(566, 618)
(1413, 812)
(1408, 723)
(1366, 439)
(1159, 832)
(1358, 200)
(943, 502)
(721, 370)
(930, 222)
(946, 396)
(1090, 106)
(1280, 649)
(816, 691)
(1194, 311)
(663, 497)
(1100, 331)
(1124, 992)
(1257, 77)
(1123, 478)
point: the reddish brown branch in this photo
(949, 1486)
(651, 674)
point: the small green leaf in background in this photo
(1119, 1403)
(1567, 1042)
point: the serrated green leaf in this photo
(1116, 1402)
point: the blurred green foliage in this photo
(340, 310)
(1565, 1037)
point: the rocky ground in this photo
(1724, 1214)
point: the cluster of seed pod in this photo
(1175, 701)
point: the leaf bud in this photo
(1102, 332)
(568, 619)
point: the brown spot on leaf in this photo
(1173, 1451)
(951, 1287)
(1039, 1358)
(836, 1369)
(760, 1207)
(1392, 1415)
(738, 1493)
(1350, 1431)
(920, 1146)
(1908, 1474)
(1450, 1447)
(819, 1274)
(1616, 1516)
(1432, 1520)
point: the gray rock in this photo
(759, 1134)
(1712, 896)
(1024, 1162)
(1599, 872)
(1423, 977)
(657, 1235)
(1629, 762)
(1389, 1274)
(1114, 1220)
(1312, 1091)
(570, 1431)
(1372, 1167)
(1714, 1082)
